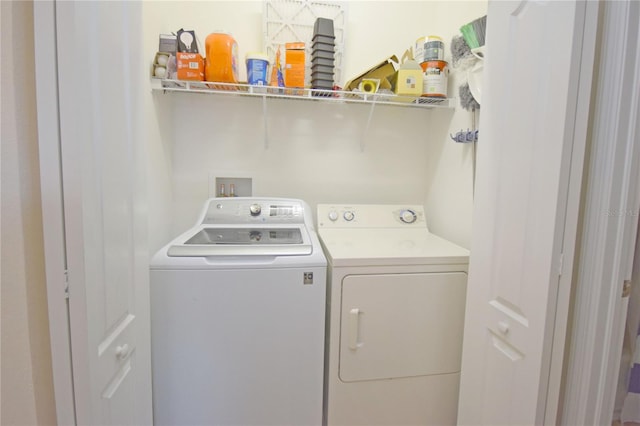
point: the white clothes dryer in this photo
(237, 317)
(395, 309)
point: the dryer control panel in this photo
(371, 216)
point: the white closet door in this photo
(99, 67)
(520, 209)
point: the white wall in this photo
(314, 153)
(314, 149)
(27, 381)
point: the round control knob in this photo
(333, 215)
(348, 216)
(408, 216)
(255, 209)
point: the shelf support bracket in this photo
(366, 127)
(264, 120)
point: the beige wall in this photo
(27, 384)
(27, 391)
(319, 152)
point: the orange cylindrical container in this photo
(436, 76)
(221, 63)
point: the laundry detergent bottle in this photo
(221, 63)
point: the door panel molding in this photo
(524, 206)
(92, 157)
(609, 224)
(46, 60)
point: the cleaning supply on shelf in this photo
(461, 56)
(221, 63)
(294, 64)
(433, 49)
(468, 53)
(257, 68)
(474, 35)
(467, 101)
(277, 78)
(436, 78)
(418, 49)
(469, 36)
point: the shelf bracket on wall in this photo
(366, 127)
(264, 120)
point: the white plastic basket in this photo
(285, 21)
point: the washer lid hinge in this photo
(560, 264)
(66, 284)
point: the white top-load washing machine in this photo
(238, 319)
(395, 311)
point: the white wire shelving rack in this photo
(204, 87)
(268, 92)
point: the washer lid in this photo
(241, 241)
(371, 246)
(213, 236)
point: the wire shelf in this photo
(203, 87)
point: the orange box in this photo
(190, 66)
(294, 65)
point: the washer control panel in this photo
(370, 216)
(254, 210)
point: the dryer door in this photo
(401, 325)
